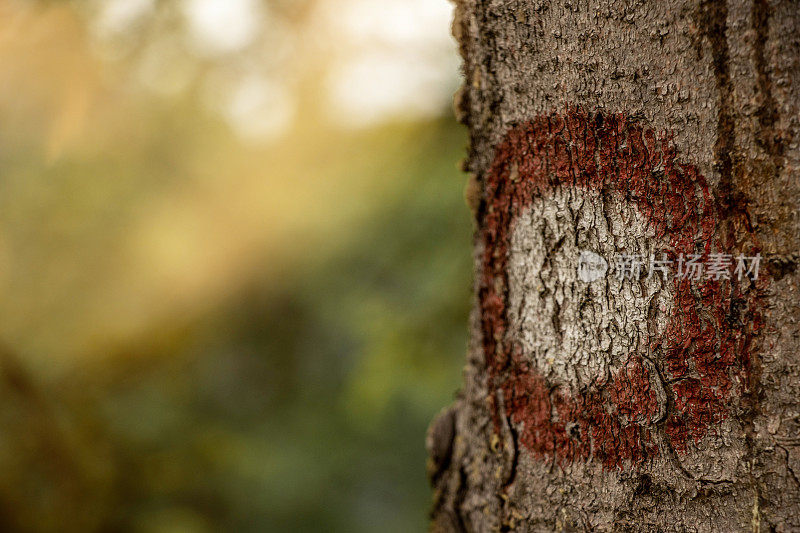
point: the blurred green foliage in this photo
(201, 334)
(298, 401)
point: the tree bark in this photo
(666, 402)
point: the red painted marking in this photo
(706, 356)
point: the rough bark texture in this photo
(646, 404)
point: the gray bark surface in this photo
(722, 79)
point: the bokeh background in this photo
(234, 262)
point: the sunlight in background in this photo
(396, 59)
(222, 26)
(384, 58)
(234, 262)
(283, 75)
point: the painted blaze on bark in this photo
(686, 375)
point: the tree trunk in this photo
(602, 392)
